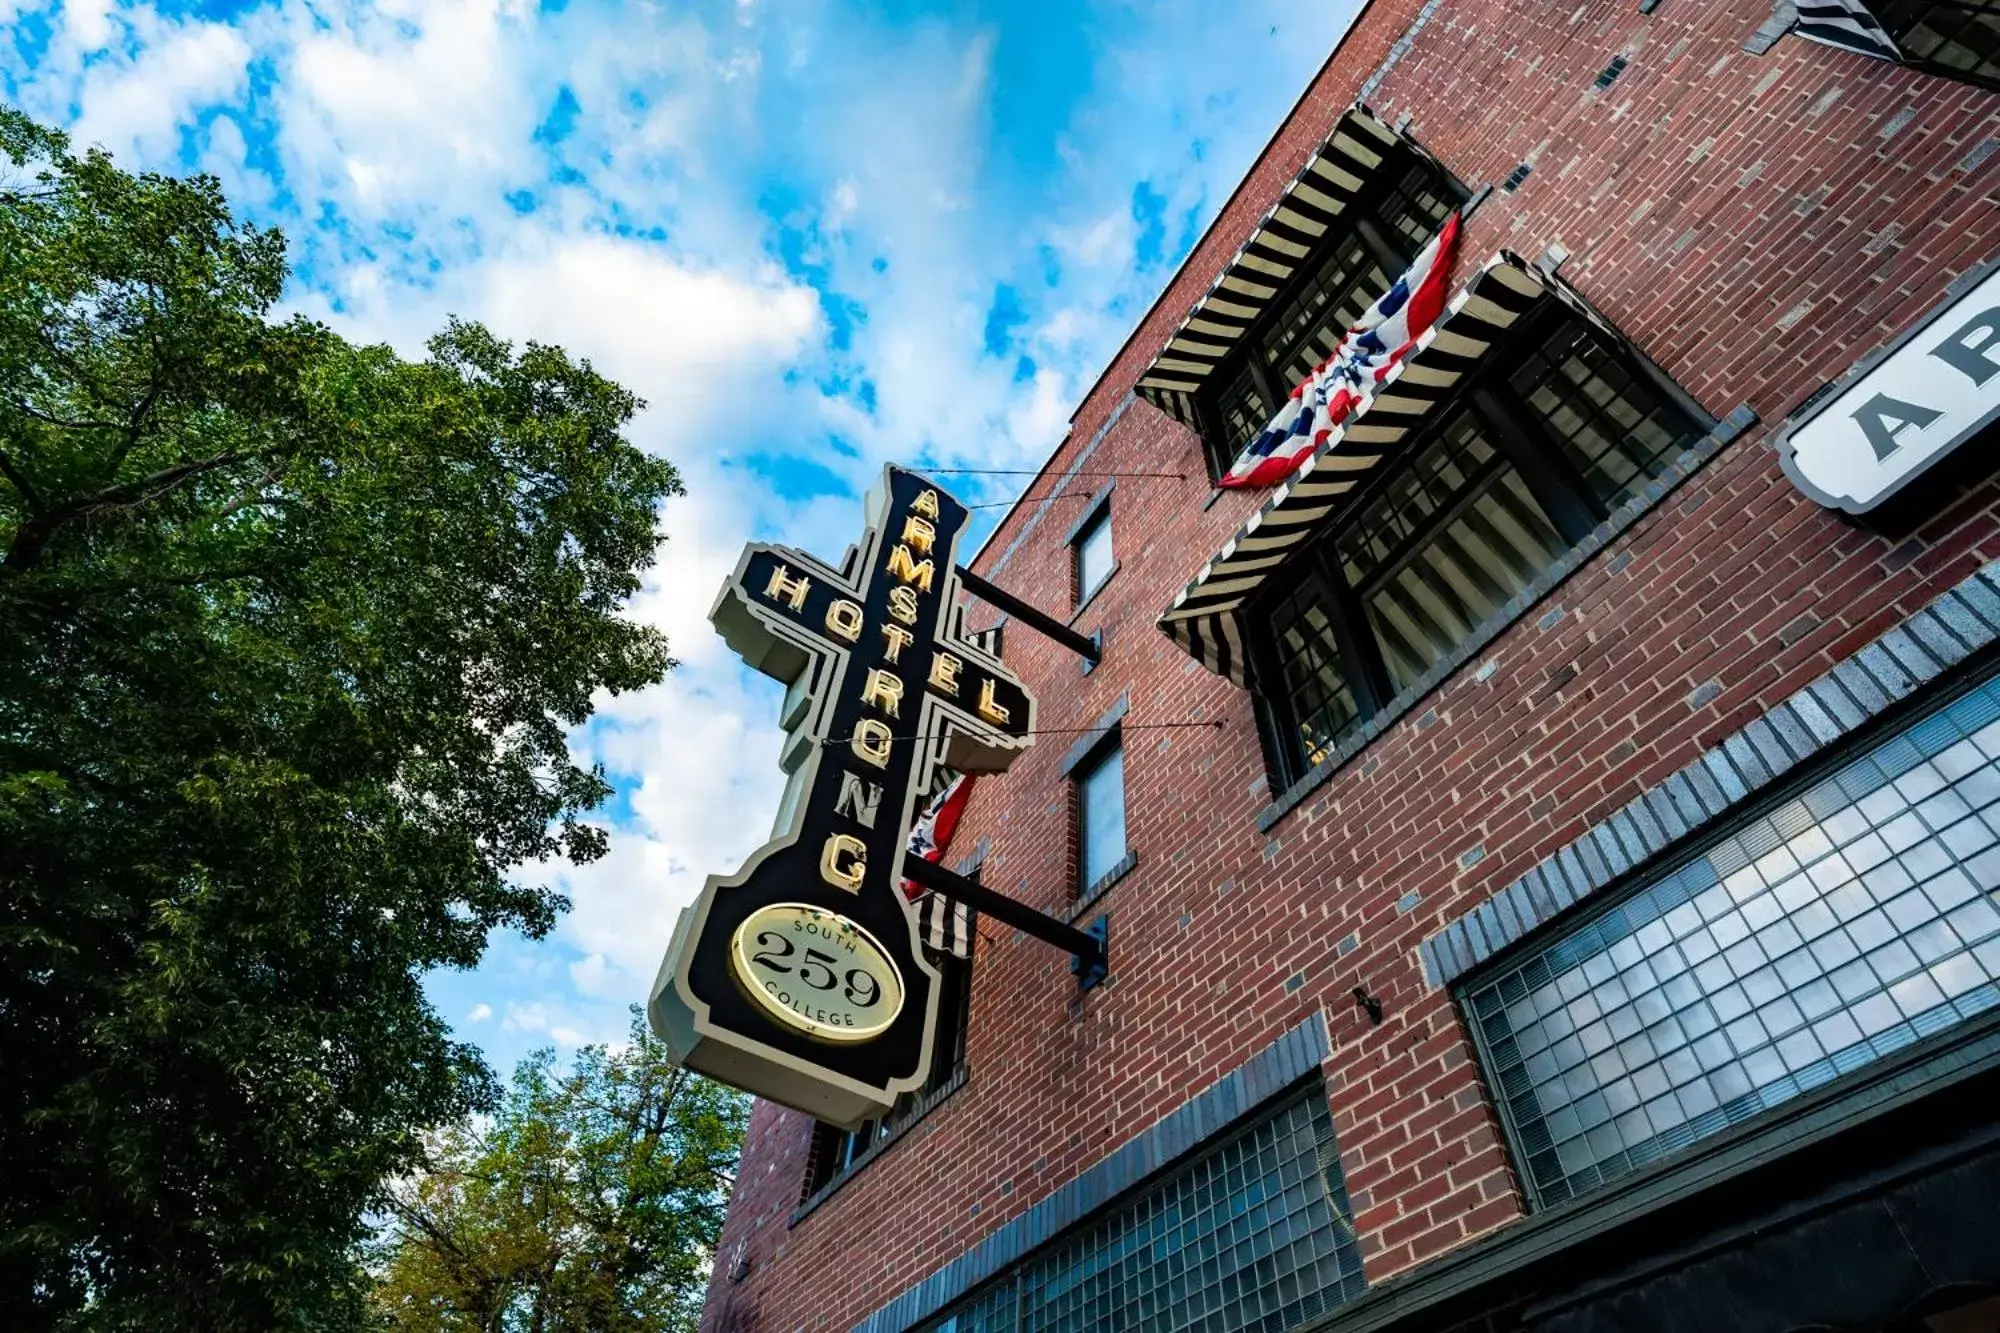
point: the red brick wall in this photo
(1755, 223)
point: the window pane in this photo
(1318, 701)
(1243, 413)
(1452, 464)
(1412, 206)
(1844, 925)
(1314, 321)
(1416, 206)
(1960, 35)
(1093, 556)
(1256, 1234)
(1617, 429)
(1462, 576)
(1101, 794)
(1426, 594)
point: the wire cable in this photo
(1216, 723)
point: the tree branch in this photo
(20, 480)
(154, 485)
(135, 424)
(248, 496)
(64, 422)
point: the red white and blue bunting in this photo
(945, 924)
(1206, 618)
(1386, 332)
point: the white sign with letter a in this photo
(1898, 414)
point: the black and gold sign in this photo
(799, 978)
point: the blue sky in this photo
(814, 236)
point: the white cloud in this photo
(697, 756)
(135, 103)
(648, 240)
(541, 1018)
(690, 340)
(402, 100)
(88, 22)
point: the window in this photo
(835, 1151)
(1442, 546)
(1954, 37)
(1527, 461)
(1849, 922)
(1091, 549)
(1305, 320)
(1100, 820)
(1254, 1234)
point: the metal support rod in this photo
(1088, 949)
(1039, 621)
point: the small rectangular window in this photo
(1100, 799)
(1094, 560)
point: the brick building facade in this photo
(1748, 213)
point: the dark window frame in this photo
(835, 1154)
(1520, 441)
(1095, 518)
(1361, 220)
(1900, 25)
(1093, 759)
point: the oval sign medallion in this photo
(817, 972)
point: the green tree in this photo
(290, 634)
(589, 1203)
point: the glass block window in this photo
(1613, 426)
(1255, 1234)
(1960, 37)
(1849, 922)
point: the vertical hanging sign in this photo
(799, 978)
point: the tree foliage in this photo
(292, 632)
(589, 1203)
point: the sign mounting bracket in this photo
(1089, 947)
(1033, 617)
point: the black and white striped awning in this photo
(1848, 24)
(1287, 236)
(1206, 616)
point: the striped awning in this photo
(1286, 238)
(1847, 24)
(1205, 617)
